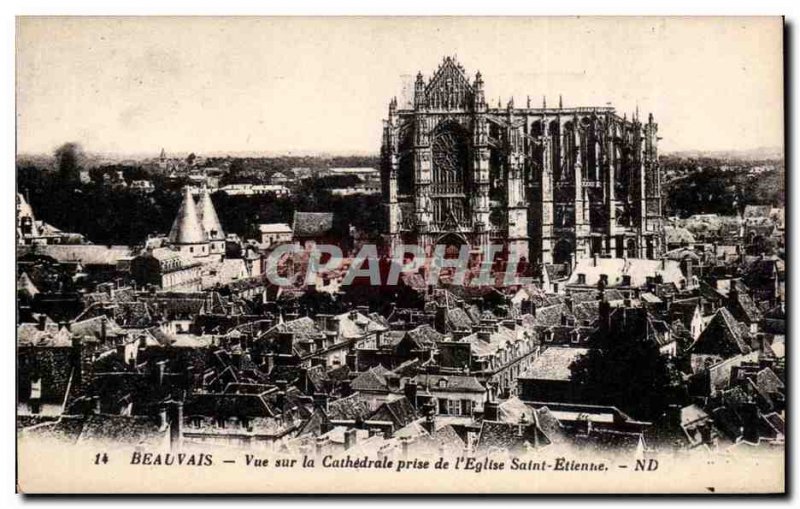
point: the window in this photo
(581, 279)
(575, 338)
(453, 407)
(626, 280)
(443, 383)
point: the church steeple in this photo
(187, 232)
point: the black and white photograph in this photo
(413, 255)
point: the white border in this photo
(789, 8)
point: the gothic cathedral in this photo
(552, 183)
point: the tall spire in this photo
(208, 217)
(187, 228)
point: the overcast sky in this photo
(279, 85)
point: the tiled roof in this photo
(678, 235)
(398, 411)
(458, 319)
(370, 380)
(506, 436)
(352, 407)
(449, 383)
(513, 409)
(723, 336)
(227, 405)
(554, 364)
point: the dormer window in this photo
(575, 337)
(626, 280)
(581, 279)
(442, 383)
(548, 336)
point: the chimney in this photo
(350, 438)
(351, 359)
(269, 362)
(604, 310)
(404, 441)
(42, 322)
(320, 445)
(189, 372)
(521, 425)
(285, 343)
(410, 390)
(491, 411)
(176, 425)
(689, 269)
(568, 302)
(485, 334)
(163, 420)
(103, 329)
(440, 319)
(161, 370)
(321, 401)
(429, 410)
(594, 260)
(345, 389)
(322, 321)
(76, 356)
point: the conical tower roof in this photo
(187, 228)
(208, 216)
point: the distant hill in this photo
(757, 154)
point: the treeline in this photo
(706, 188)
(117, 215)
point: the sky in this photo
(322, 85)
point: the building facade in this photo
(552, 183)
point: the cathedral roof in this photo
(208, 217)
(187, 228)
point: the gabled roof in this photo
(187, 228)
(26, 286)
(399, 411)
(371, 380)
(723, 336)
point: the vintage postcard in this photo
(400, 255)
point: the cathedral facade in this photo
(551, 183)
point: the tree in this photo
(627, 370)
(68, 162)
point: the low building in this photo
(274, 233)
(167, 269)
